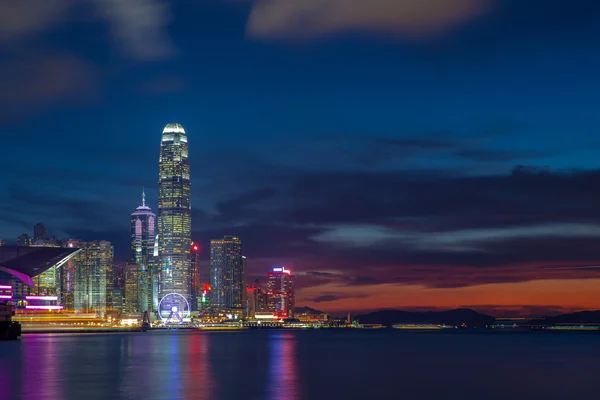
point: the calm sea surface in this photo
(287, 365)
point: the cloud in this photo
(24, 18)
(35, 78)
(138, 26)
(451, 241)
(271, 19)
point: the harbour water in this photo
(290, 365)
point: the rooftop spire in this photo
(143, 196)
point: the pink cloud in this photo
(271, 19)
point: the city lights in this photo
(49, 298)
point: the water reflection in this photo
(283, 375)
(41, 374)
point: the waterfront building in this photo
(20, 272)
(255, 301)
(174, 213)
(136, 293)
(227, 288)
(281, 298)
(24, 240)
(84, 279)
(196, 290)
(114, 294)
(143, 234)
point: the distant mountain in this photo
(457, 317)
(307, 310)
(582, 317)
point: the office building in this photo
(196, 290)
(256, 299)
(39, 232)
(281, 299)
(136, 289)
(84, 279)
(174, 213)
(114, 294)
(143, 235)
(24, 240)
(227, 289)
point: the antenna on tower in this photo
(143, 196)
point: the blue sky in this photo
(314, 124)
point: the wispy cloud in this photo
(313, 18)
(459, 240)
(138, 26)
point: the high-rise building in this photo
(136, 293)
(174, 213)
(39, 232)
(24, 240)
(143, 235)
(281, 299)
(196, 291)
(84, 280)
(2, 242)
(227, 289)
(114, 294)
(255, 299)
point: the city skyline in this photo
(450, 162)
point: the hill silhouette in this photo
(470, 318)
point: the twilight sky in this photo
(393, 153)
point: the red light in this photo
(196, 248)
(207, 287)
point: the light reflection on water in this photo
(298, 365)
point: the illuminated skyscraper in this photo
(280, 292)
(142, 248)
(136, 300)
(196, 291)
(174, 213)
(84, 279)
(227, 289)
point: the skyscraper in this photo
(226, 273)
(88, 280)
(174, 213)
(136, 300)
(196, 290)
(255, 299)
(2, 242)
(280, 292)
(142, 248)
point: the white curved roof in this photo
(173, 128)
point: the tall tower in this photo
(142, 248)
(174, 213)
(280, 292)
(226, 274)
(85, 291)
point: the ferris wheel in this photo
(174, 309)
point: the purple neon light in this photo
(41, 297)
(5, 296)
(44, 307)
(8, 287)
